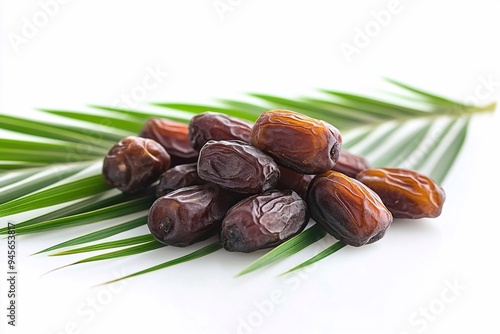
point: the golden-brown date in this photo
(215, 126)
(178, 177)
(296, 141)
(237, 166)
(173, 136)
(406, 193)
(350, 164)
(134, 163)
(347, 209)
(189, 214)
(263, 221)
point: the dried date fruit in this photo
(189, 214)
(406, 193)
(292, 180)
(237, 166)
(215, 126)
(178, 177)
(263, 221)
(135, 163)
(350, 164)
(347, 209)
(296, 141)
(173, 136)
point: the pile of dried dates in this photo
(257, 185)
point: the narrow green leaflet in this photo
(450, 154)
(143, 116)
(56, 195)
(113, 211)
(98, 235)
(326, 252)
(134, 250)
(32, 184)
(8, 166)
(429, 96)
(91, 203)
(189, 257)
(11, 178)
(129, 124)
(402, 148)
(140, 239)
(286, 249)
(67, 133)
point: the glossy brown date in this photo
(189, 214)
(215, 126)
(406, 193)
(173, 136)
(263, 221)
(347, 209)
(178, 177)
(134, 163)
(350, 164)
(296, 141)
(237, 166)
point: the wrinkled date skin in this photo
(189, 214)
(214, 126)
(173, 136)
(135, 163)
(237, 166)
(296, 141)
(406, 193)
(350, 164)
(292, 180)
(347, 209)
(263, 221)
(178, 177)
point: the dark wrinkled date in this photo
(189, 214)
(347, 209)
(135, 163)
(263, 221)
(214, 126)
(350, 164)
(237, 166)
(178, 177)
(304, 144)
(406, 193)
(173, 136)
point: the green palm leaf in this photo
(390, 132)
(97, 235)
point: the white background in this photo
(94, 52)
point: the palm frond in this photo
(426, 134)
(97, 235)
(132, 241)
